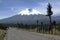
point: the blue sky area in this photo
(12, 7)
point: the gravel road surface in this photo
(15, 34)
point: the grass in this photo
(2, 34)
(55, 32)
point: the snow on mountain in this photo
(29, 12)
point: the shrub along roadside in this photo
(2, 34)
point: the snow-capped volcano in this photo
(29, 12)
(27, 17)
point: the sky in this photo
(9, 8)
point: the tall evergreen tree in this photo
(49, 11)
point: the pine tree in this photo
(49, 12)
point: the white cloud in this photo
(43, 7)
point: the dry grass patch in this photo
(2, 34)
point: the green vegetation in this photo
(3, 28)
(53, 28)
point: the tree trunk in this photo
(51, 28)
(37, 26)
(50, 19)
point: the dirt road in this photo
(14, 34)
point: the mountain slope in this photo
(29, 19)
